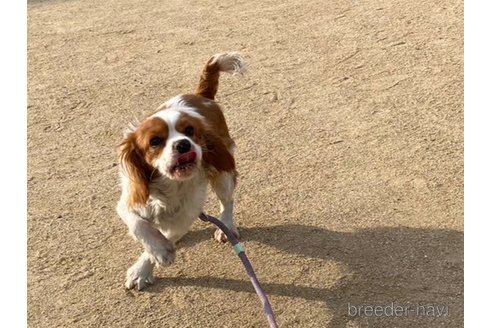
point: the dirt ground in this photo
(349, 127)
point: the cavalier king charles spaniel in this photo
(166, 163)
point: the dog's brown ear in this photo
(138, 171)
(216, 154)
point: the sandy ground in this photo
(349, 126)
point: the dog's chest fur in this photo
(171, 201)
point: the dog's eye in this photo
(189, 131)
(155, 142)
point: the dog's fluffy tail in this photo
(230, 62)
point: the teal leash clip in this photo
(239, 248)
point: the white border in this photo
(13, 188)
(478, 162)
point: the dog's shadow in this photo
(403, 265)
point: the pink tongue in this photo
(187, 158)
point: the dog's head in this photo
(174, 143)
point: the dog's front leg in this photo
(159, 249)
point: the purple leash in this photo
(239, 249)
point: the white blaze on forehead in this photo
(171, 117)
(173, 108)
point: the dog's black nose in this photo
(182, 146)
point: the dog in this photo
(166, 163)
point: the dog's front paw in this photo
(139, 275)
(220, 236)
(159, 248)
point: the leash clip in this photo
(239, 248)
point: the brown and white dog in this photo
(166, 163)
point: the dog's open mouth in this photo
(184, 163)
